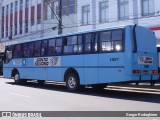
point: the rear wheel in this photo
(72, 82)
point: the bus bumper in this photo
(142, 78)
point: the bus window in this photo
(37, 48)
(58, 46)
(25, 50)
(30, 49)
(117, 40)
(8, 56)
(44, 48)
(87, 39)
(95, 43)
(105, 41)
(69, 44)
(78, 48)
(51, 47)
(17, 51)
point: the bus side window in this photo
(17, 51)
(58, 49)
(51, 47)
(25, 50)
(117, 40)
(105, 41)
(30, 49)
(8, 54)
(69, 43)
(87, 41)
(95, 42)
(37, 49)
(44, 48)
(79, 47)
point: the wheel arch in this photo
(71, 70)
(14, 71)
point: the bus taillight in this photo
(136, 72)
(153, 71)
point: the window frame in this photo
(124, 4)
(106, 8)
(148, 5)
(111, 40)
(87, 13)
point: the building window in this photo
(20, 28)
(15, 29)
(26, 27)
(55, 7)
(11, 10)
(148, 7)
(85, 15)
(6, 31)
(39, 20)
(11, 30)
(21, 4)
(3, 11)
(103, 9)
(2, 32)
(71, 6)
(7, 10)
(32, 22)
(123, 9)
(49, 11)
(39, 14)
(27, 4)
(16, 6)
(32, 15)
(63, 7)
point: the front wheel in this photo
(72, 82)
(17, 79)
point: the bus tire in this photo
(41, 82)
(17, 79)
(72, 82)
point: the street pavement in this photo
(55, 97)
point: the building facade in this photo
(24, 20)
(95, 14)
(29, 19)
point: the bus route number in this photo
(114, 59)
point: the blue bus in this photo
(96, 58)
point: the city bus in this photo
(95, 58)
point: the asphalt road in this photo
(51, 97)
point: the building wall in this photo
(45, 28)
(134, 15)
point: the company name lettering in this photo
(41, 62)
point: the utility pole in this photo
(60, 18)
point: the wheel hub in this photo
(71, 82)
(16, 77)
